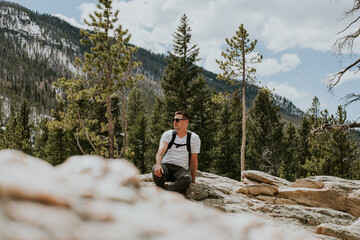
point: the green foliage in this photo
(237, 65)
(137, 126)
(226, 152)
(290, 159)
(108, 69)
(332, 152)
(158, 124)
(177, 82)
(12, 137)
(264, 135)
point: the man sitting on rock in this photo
(177, 157)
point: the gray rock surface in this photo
(327, 206)
(89, 197)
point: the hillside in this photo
(37, 49)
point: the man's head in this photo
(181, 120)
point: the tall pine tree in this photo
(181, 72)
(237, 65)
(107, 72)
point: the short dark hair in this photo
(185, 114)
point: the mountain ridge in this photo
(46, 47)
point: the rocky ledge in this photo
(90, 197)
(327, 206)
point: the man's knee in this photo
(160, 181)
(185, 180)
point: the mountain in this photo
(36, 49)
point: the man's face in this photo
(181, 123)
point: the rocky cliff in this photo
(89, 198)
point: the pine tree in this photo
(60, 142)
(304, 148)
(108, 70)
(224, 162)
(344, 152)
(158, 124)
(202, 122)
(181, 71)
(236, 67)
(41, 138)
(264, 134)
(290, 159)
(137, 130)
(12, 137)
(24, 119)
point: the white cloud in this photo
(283, 89)
(299, 24)
(270, 66)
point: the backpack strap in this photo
(188, 145)
(171, 141)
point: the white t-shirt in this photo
(179, 155)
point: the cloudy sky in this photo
(295, 38)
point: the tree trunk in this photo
(125, 123)
(243, 121)
(111, 127)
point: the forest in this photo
(116, 114)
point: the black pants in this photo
(179, 176)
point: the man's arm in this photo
(158, 171)
(193, 166)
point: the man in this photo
(173, 164)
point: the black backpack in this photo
(188, 145)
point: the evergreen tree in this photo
(236, 67)
(60, 142)
(224, 162)
(181, 71)
(264, 134)
(137, 130)
(41, 138)
(202, 121)
(24, 119)
(290, 159)
(108, 69)
(345, 153)
(158, 124)
(12, 137)
(304, 148)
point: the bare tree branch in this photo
(337, 77)
(329, 126)
(86, 134)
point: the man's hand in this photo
(158, 171)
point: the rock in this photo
(265, 178)
(264, 189)
(93, 198)
(327, 198)
(307, 183)
(339, 231)
(354, 203)
(201, 192)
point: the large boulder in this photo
(93, 198)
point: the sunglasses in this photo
(178, 119)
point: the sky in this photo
(296, 38)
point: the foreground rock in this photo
(92, 198)
(329, 206)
